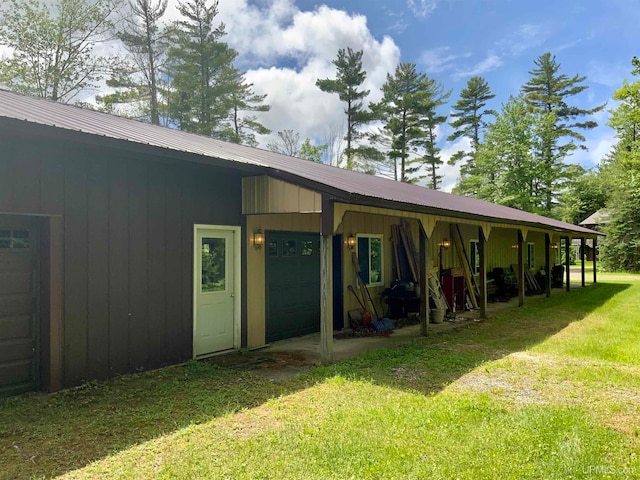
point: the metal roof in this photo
(357, 187)
(599, 217)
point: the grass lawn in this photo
(551, 390)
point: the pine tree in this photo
(548, 91)
(242, 128)
(349, 77)
(435, 97)
(138, 80)
(201, 71)
(468, 113)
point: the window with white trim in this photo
(474, 256)
(531, 255)
(370, 259)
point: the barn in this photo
(127, 246)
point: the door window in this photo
(213, 265)
(370, 259)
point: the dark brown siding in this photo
(128, 241)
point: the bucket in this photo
(437, 315)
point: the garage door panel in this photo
(15, 327)
(19, 282)
(16, 373)
(18, 304)
(293, 284)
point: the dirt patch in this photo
(501, 387)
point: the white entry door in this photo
(214, 286)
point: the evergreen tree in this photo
(242, 128)
(200, 69)
(435, 98)
(349, 78)
(54, 45)
(621, 250)
(138, 81)
(548, 91)
(468, 113)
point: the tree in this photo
(138, 80)
(287, 143)
(242, 128)
(333, 138)
(436, 97)
(585, 194)
(548, 91)
(349, 77)
(54, 46)
(508, 170)
(308, 151)
(468, 113)
(200, 69)
(621, 250)
(408, 109)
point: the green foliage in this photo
(54, 46)
(468, 113)
(308, 151)
(586, 192)
(508, 169)
(408, 108)
(548, 91)
(621, 250)
(200, 69)
(349, 77)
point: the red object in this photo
(454, 289)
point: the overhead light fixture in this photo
(258, 239)
(351, 242)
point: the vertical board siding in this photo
(156, 299)
(98, 269)
(138, 266)
(174, 257)
(118, 267)
(76, 272)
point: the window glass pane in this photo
(5, 243)
(375, 250)
(363, 258)
(289, 248)
(213, 264)
(531, 255)
(474, 260)
(273, 248)
(307, 248)
(20, 239)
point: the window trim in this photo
(370, 236)
(475, 269)
(531, 259)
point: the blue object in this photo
(382, 325)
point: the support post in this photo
(424, 289)
(582, 255)
(326, 282)
(595, 256)
(482, 241)
(547, 264)
(567, 261)
(520, 268)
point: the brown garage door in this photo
(18, 305)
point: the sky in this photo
(286, 45)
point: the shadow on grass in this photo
(47, 435)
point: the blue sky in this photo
(285, 45)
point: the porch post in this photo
(547, 264)
(483, 272)
(582, 247)
(595, 251)
(424, 289)
(567, 261)
(326, 282)
(520, 268)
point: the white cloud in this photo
(270, 36)
(523, 38)
(609, 74)
(440, 59)
(492, 62)
(598, 148)
(422, 8)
